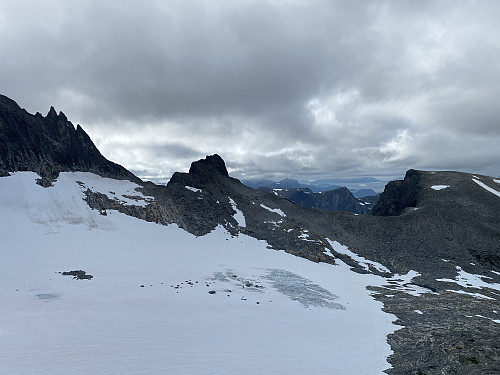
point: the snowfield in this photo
(162, 301)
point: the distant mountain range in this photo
(358, 186)
(340, 199)
(325, 196)
(183, 278)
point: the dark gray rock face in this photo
(209, 167)
(49, 145)
(399, 195)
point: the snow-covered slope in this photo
(164, 301)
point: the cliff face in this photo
(49, 145)
(399, 195)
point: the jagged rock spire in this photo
(52, 113)
(49, 145)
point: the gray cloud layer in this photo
(278, 88)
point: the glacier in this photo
(148, 309)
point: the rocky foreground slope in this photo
(441, 227)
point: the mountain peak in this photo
(52, 113)
(49, 145)
(212, 164)
(7, 102)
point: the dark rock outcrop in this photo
(77, 275)
(209, 167)
(399, 195)
(49, 145)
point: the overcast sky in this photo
(284, 88)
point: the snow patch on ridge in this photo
(339, 248)
(469, 280)
(193, 189)
(475, 295)
(484, 186)
(275, 210)
(238, 216)
(122, 191)
(328, 252)
(440, 187)
(485, 317)
(305, 236)
(402, 283)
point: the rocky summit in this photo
(49, 145)
(434, 236)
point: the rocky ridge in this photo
(49, 145)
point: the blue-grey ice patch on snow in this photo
(302, 290)
(219, 276)
(249, 284)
